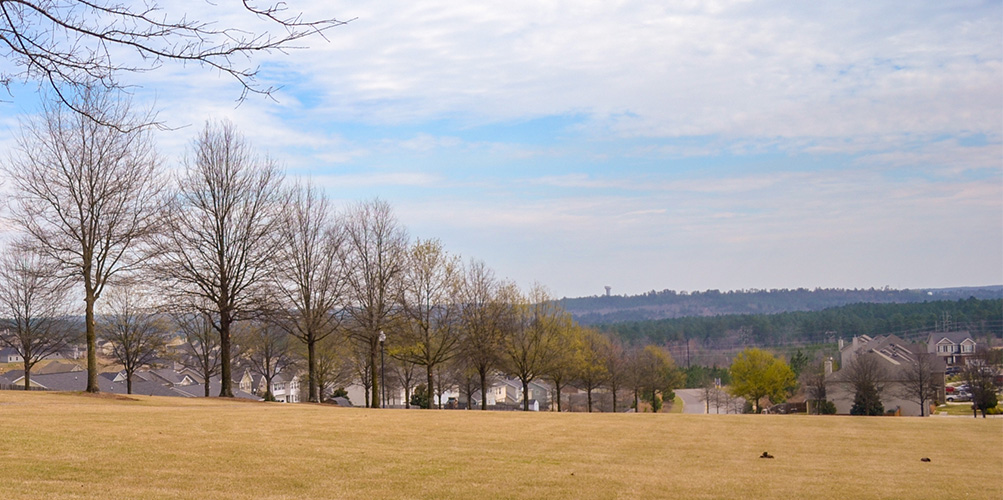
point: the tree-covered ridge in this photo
(982, 317)
(672, 304)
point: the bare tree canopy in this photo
(922, 379)
(217, 253)
(69, 45)
(376, 255)
(86, 194)
(310, 277)
(430, 334)
(138, 336)
(481, 322)
(268, 352)
(33, 301)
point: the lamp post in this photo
(383, 377)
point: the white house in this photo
(953, 347)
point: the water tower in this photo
(608, 288)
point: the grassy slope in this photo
(74, 446)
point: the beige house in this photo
(895, 358)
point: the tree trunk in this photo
(613, 390)
(557, 387)
(431, 392)
(311, 361)
(27, 377)
(225, 391)
(90, 328)
(525, 395)
(589, 392)
(206, 384)
(484, 388)
(128, 382)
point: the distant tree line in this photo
(984, 318)
(672, 304)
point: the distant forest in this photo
(911, 321)
(654, 305)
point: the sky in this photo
(641, 145)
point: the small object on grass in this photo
(925, 459)
(766, 454)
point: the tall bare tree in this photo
(376, 255)
(138, 336)
(922, 379)
(616, 368)
(201, 351)
(430, 334)
(268, 352)
(334, 364)
(483, 315)
(310, 276)
(33, 298)
(217, 252)
(532, 336)
(86, 194)
(982, 373)
(70, 45)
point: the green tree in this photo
(592, 369)
(656, 374)
(566, 359)
(756, 374)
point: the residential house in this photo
(895, 357)
(10, 355)
(508, 392)
(953, 347)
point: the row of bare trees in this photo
(225, 248)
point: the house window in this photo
(968, 348)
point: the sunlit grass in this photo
(76, 446)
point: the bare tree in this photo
(866, 378)
(33, 298)
(376, 256)
(922, 378)
(71, 45)
(531, 337)
(217, 252)
(86, 194)
(310, 276)
(482, 318)
(982, 373)
(406, 373)
(813, 381)
(201, 350)
(616, 368)
(137, 335)
(268, 352)
(431, 333)
(334, 364)
(364, 373)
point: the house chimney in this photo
(828, 364)
(840, 344)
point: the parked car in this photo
(952, 370)
(959, 395)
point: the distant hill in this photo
(671, 304)
(910, 321)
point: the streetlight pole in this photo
(383, 377)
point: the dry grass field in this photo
(69, 446)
